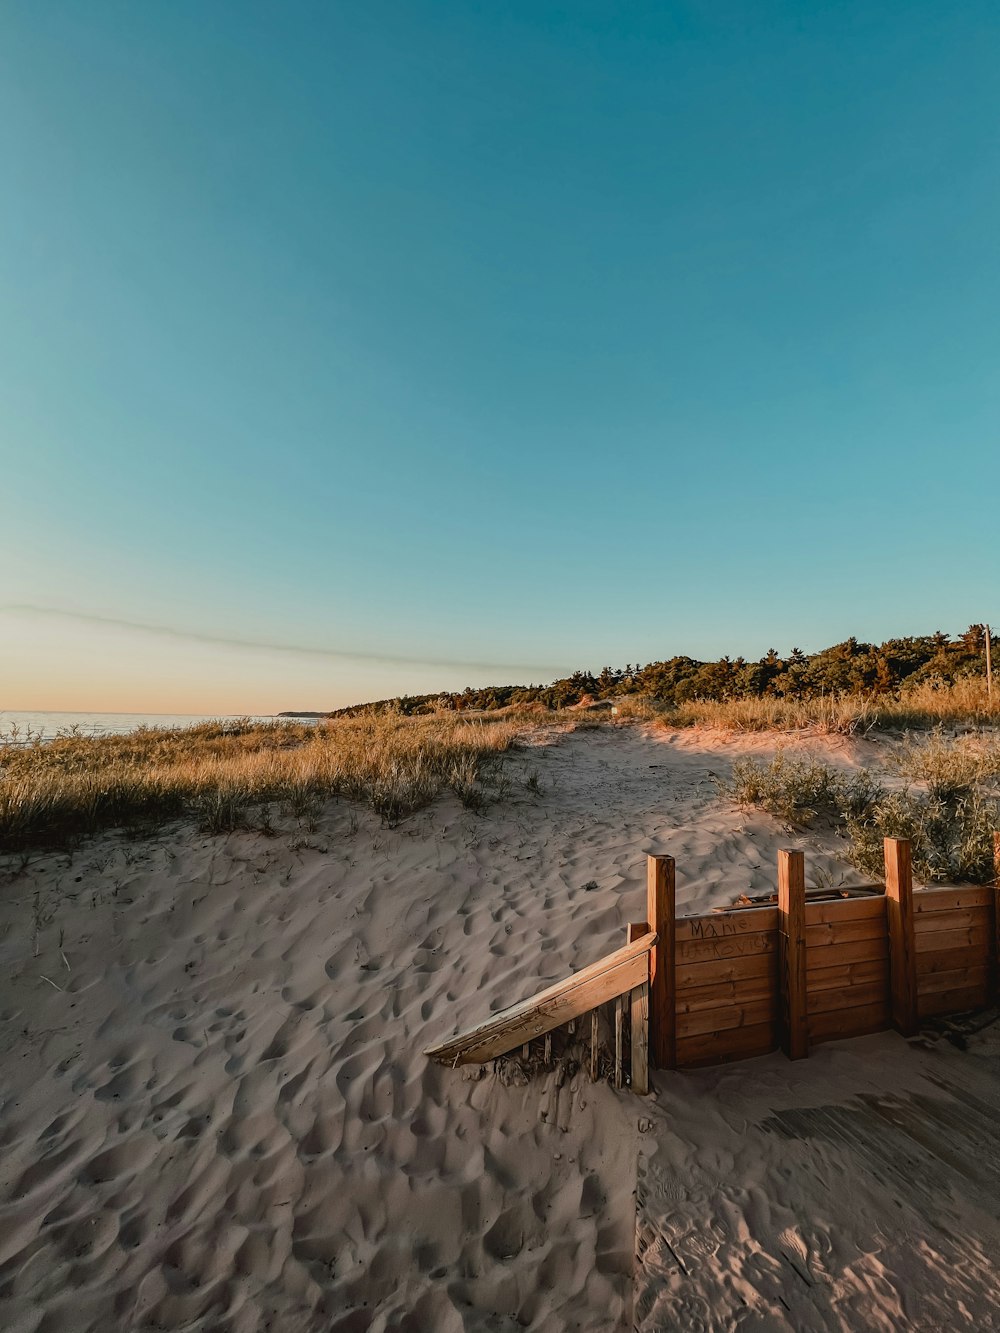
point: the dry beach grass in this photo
(227, 774)
(53, 794)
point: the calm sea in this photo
(48, 725)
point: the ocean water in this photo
(26, 726)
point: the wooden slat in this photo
(743, 945)
(595, 1028)
(661, 915)
(974, 938)
(619, 1039)
(640, 1039)
(727, 1017)
(960, 918)
(725, 925)
(847, 909)
(954, 978)
(847, 974)
(726, 969)
(953, 1001)
(839, 955)
(946, 960)
(826, 933)
(948, 899)
(857, 1021)
(792, 953)
(604, 980)
(724, 993)
(732, 1044)
(902, 954)
(849, 997)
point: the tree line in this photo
(850, 667)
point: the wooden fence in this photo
(740, 982)
(804, 971)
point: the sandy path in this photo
(214, 1113)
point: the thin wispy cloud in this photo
(536, 670)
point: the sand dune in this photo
(215, 1113)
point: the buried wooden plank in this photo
(948, 899)
(727, 1017)
(569, 999)
(825, 934)
(838, 910)
(721, 1046)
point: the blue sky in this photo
(463, 342)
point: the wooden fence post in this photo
(792, 954)
(902, 948)
(660, 912)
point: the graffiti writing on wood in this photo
(733, 946)
(715, 927)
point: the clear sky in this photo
(378, 347)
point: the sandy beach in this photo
(215, 1113)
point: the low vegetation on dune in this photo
(56, 793)
(942, 793)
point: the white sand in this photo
(214, 1111)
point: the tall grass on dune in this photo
(949, 806)
(57, 793)
(964, 703)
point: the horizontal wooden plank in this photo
(713, 1048)
(826, 933)
(716, 950)
(952, 897)
(722, 993)
(977, 938)
(944, 960)
(604, 980)
(849, 997)
(722, 925)
(847, 909)
(955, 1001)
(857, 1021)
(726, 1018)
(847, 974)
(953, 978)
(690, 975)
(861, 951)
(959, 918)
